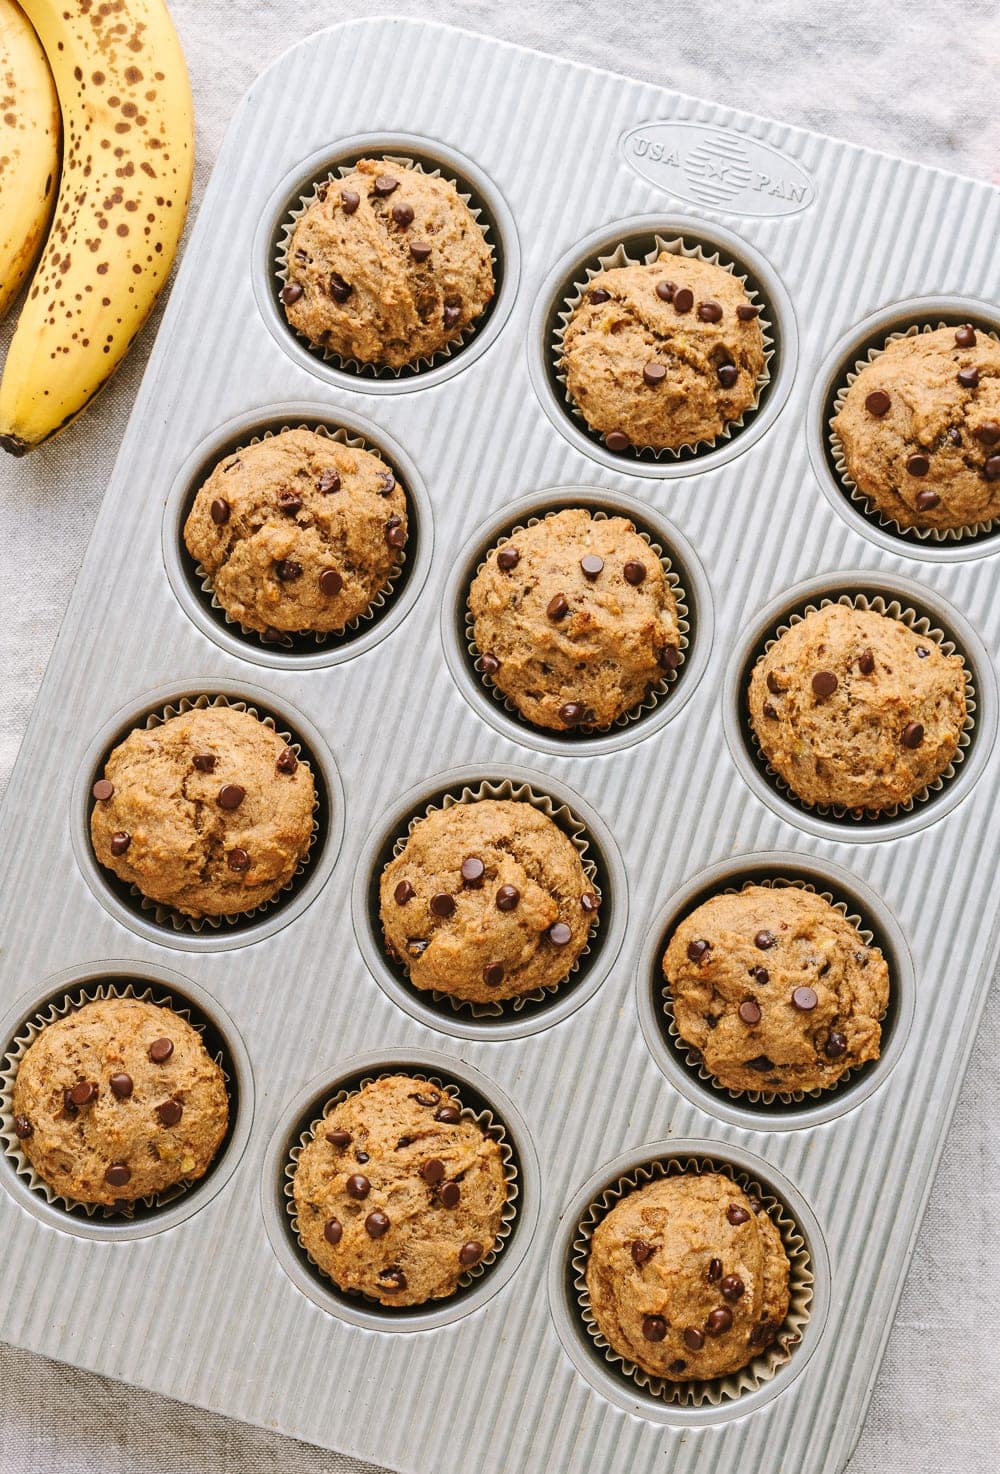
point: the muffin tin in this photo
(209, 1299)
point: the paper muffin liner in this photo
(10, 1062)
(654, 695)
(167, 915)
(692, 1056)
(576, 832)
(354, 365)
(490, 1125)
(383, 597)
(717, 1390)
(861, 499)
(920, 624)
(619, 256)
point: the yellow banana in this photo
(123, 198)
(29, 149)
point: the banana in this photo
(123, 197)
(29, 149)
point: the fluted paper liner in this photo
(656, 692)
(860, 498)
(576, 832)
(382, 596)
(920, 624)
(486, 1120)
(15, 1050)
(692, 1056)
(353, 365)
(166, 915)
(619, 256)
(697, 1392)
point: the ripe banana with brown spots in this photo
(128, 154)
(29, 149)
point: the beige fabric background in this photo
(918, 79)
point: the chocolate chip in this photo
(991, 469)
(289, 501)
(670, 657)
(160, 1051)
(719, 1321)
(395, 533)
(449, 1195)
(432, 1170)
(402, 214)
(677, 1366)
(386, 483)
(836, 1045)
(507, 898)
(358, 1186)
(349, 200)
(23, 1128)
(376, 1224)
(710, 311)
(287, 570)
(761, 974)
(922, 652)
(634, 572)
(83, 1093)
(696, 950)
(737, 1214)
(912, 735)
(427, 1100)
(560, 934)
(473, 871)
(732, 1287)
(683, 299)
(392, 1279)
(878, 403)
(451, 315)
(804, 999)
(219, 511)
(493, 974)
(764, 1333)
(330, 582)
(68, 1105)
(968, 378)
(654, 1327)
(286, 761)
(340, 289)
(749, 1012)
(761, 1064)
(557, 607)
(339, 1139)
(231, 795)
(204, 762)
(238, 860)
(988, 432)
(470, 1253)
(362, 1157)
(102, 790)
(591, 565)
(824, 683)
(420, 250)
(918, 465)
(291, 292)
(442, 905)
(385, 184)
(772, 684)
(121, 1086)
(694, 1339)
(572, 714)
(866, 662)
(965, 336)
(615, 440)
(714, 1271)
(665, 290)
(328, 482)
(770, 710)
(117, 1175)
(590, 901)
(641, 1251)
(489, 665)
(597, 295)
(404, 892)
(653, 374)
(954, 436)
(450, 1115)
(764, 940)
(727, 374)
(508, 559)
(333, 1230)
(746, 312)
(170, 1112)
(120, 842)
(926, 500)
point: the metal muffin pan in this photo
(214, 1314)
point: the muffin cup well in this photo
(155, 1212)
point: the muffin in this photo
(298, 533)
(386, 266)
(853, 709)
(399, 1193)
(776, 990)
(209, 813)
(575, 620)
(663, 355)
(920, 429)
(487, 900)
(119, 1100)
(688, 1277)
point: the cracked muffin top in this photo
(663, 355)
(386, 266)
(298, 533)
(920, 429)
(209, 813)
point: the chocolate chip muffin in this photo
(298, 533)
(386, 266)
(575, 620)
(688, 1277)
(487, 900)
(920, 429)
(853, 709)
(663, 355)
(400, 1192)
(776, 989)
(119, 1100)
(209, 813)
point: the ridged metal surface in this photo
(204, 1312)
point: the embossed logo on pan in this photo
(718, 168)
